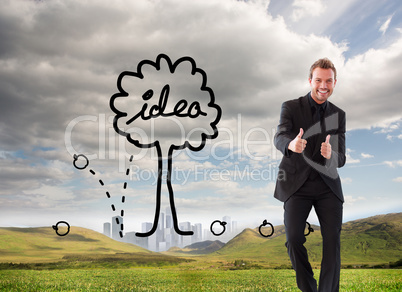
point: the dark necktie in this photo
(318, 114)
(318, 117)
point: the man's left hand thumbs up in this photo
(326, 148)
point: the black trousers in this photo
(329, 211)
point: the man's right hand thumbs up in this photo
(300, 133)
(298, 144)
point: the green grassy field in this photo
(180, 279)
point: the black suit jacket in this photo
(295, 168)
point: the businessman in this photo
(311, 136)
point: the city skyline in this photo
(165, 237)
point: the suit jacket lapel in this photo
(306, 112)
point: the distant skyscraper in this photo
(162, 246)
(161, 223)
(153, 243)
(169, 218)
(234, 227)
(131, 237)
(117, 222)
(185, 240)
(228, 221)
(169, 239)
(106, 228)
(146, 226)
(197, 232)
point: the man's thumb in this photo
(327, 139)
(300, 133)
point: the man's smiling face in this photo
(322, 84)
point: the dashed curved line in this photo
(102, 184)
(123, 198)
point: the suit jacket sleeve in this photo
(284, 134)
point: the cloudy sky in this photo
(59, 64)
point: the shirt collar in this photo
(312, 103)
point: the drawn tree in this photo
(165, 103)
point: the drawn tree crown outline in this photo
(173, 147)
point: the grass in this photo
(182, 279)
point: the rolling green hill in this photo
(24, 245)
(371, 241)
(203, 247)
